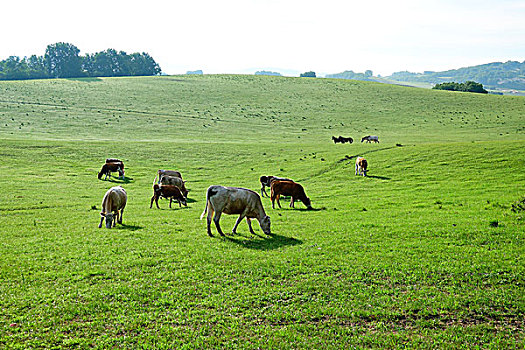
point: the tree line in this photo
(468, 86)
(63, 60)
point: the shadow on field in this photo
(378, 177)
(125, 180)
(270, 242)
(128, 227)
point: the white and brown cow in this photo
(361, 166)
(113, 206)
(234, 200)
(288, 188)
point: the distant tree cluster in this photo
(62, 60)
(309, 74)
(468, 86)
(265, 72)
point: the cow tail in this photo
(207, 201)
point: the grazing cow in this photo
(176, 181)
(288, 188)
(369, 139)
(266, 181)
(167, 191)
(160, 173)
(113, 206)
(361, 166)
(342, 139)
(111, 167)
(234, 200)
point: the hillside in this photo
(425, 252)
(509, 75)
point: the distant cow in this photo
(266, 181)
(361, 166)
(160, 173)
(288, 188)
(369, 139)
(111, 167)
(167, 191)
(176, 181)
(113, 206)
(342, 139)
(234, 200)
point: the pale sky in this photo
(287, 36)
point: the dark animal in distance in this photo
(167, 191)
(342, 139)
(234, 200)
(369, 139)
(266, 181)
(113, 205)
(111, 167)
(288, 188)
(361, 166)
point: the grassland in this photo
(426, 252)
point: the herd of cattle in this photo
(219, 199)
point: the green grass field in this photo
(426, 252)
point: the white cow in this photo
(361, 166)
(234, 200)
(114, 202)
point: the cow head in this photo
(265, 225)
(109, 219)
(120, 172)
(308, 203)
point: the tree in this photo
(62, 61)
(309, 74)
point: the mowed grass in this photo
(426, 252)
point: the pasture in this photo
(425, 252)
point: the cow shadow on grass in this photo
(128, 227)
(270, 242)
(125, 180)
(378, 177)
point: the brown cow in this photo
(111, 167)
(266, 181)
(167, 191)
(288, 188)
(161, 172)
(176, 181)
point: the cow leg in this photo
(120, 216)
(208, 220)
(239, 219)
(356, 169)
(278, 202)
(263, 191)
(250, 225)
(292, 203)
(157, 201)
(101, 221)
(216, 219)
(171, 199)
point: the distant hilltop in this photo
(509, 75)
